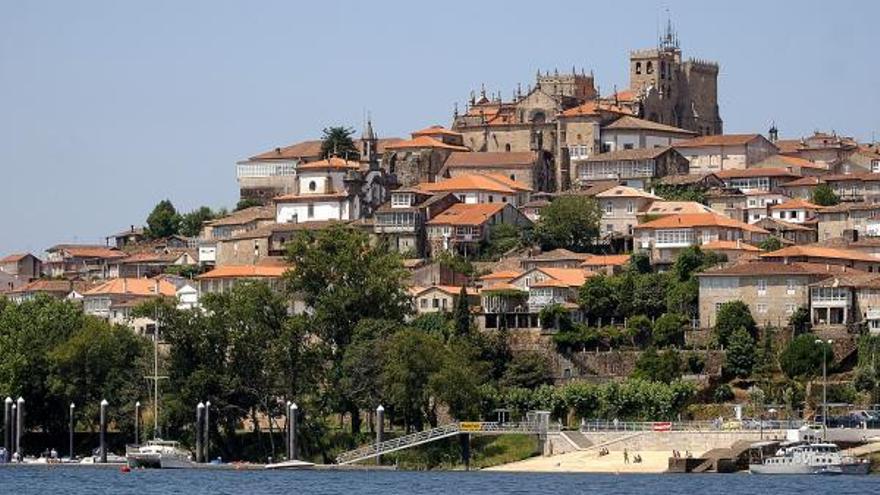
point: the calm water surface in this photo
(43, 480)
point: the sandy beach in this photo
(591, 462)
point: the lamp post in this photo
(294, 409)
(70, 444)
(207, 431)
(824, 384)
(137, 423)
(200, 418)
(380, 425)
(7, 426)
(104, 405)
(19, 424)
(287, 429)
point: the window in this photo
(436, 303)
(311, 211)
(630, 207)
(423, 302)
(789, 286)
(507, 147)
(762, 287)
(491, 198)
(638, 67)
(628, 146)
(718, 306)
(312, 185)
(401, 199)
(762, 308)
(609, 208)
(609, 227)
(512, 176)
(649, 68)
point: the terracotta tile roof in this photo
(606, 260)
(770, 223)
(814, 251)
(690, 220)
(863, 177)
(593, 189)
(244, 271)
(274, 228)
(729, 246)
(803, 181)
(436, 130)
(755, 172)
(502, 286)
(847, 207)
(497, 159)
(83, 251)
(49, 286)
(309, 150)
(626, 155)
(626, 192)
(683, 180)
(854, 279)
(425, 142)
(14, 258)
(449, 289)
(536, 203)
(629, 122)
(572, 277)
(594, 107)
(332, 163)
(246, 215)
(501, 275)
(718, 140)
(133, 286)
(676, 208)
(551, 282)
(467, 214)
(762, 268)
(795, 204)
(476, 182)
(559, 254)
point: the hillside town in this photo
(612, 234)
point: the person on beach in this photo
(625, 456)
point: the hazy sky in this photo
(108, 107)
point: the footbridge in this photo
(538, 427)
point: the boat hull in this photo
(848, 468)
(157, 461)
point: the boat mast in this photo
(155, 377)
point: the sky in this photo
(108, 107)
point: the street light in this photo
(70, 445)
(824, 384)
(137, 422)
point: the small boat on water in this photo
(95, 458)
(162, 454)
(291, 464)
(809, 458)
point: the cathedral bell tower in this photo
(369, 144)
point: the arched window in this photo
(638, 67)
(312, 185)
(507, 147)
(538, 118)
(649, 69)
(512, 176)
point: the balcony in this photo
(256, 170)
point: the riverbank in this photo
(591, 462)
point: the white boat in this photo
(95, 458)
(159, 453)
(292, 464)
(809, 458)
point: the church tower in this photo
(369, 144)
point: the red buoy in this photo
(125, 469)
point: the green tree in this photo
(639, 263)
(163, 221)
(640, 331)
(598, 299)
(800, 322)
(802, 358)
(462, 314)
(865, 379)
(457, 383)
(191, 223)
(771, 243)
(669, 330)
(245, 203)
(662, 367)
(765, 358)
(683, 297)
(740, 356)
(361, 367)
(410, 359)
(343, 279)
(570, 222)
(99, 361)
(731, 316)
(528, 370)
(502, 238)
(556, 316)
(823, 195)
(338, 141)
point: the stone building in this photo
(462, 228)
(835, 220)
(627, 133)
(421, 158)
(24, 266)
(666, 89)
(773, 291)
(631, 167)
(528, 167)
(723, 152)
(620, 206)
(400, 222)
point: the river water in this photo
(92, 481)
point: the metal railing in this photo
(601, 425)
(444, 431)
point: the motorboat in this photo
(291, 464)
(809, 458)
(95, 458)
(163, 454)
